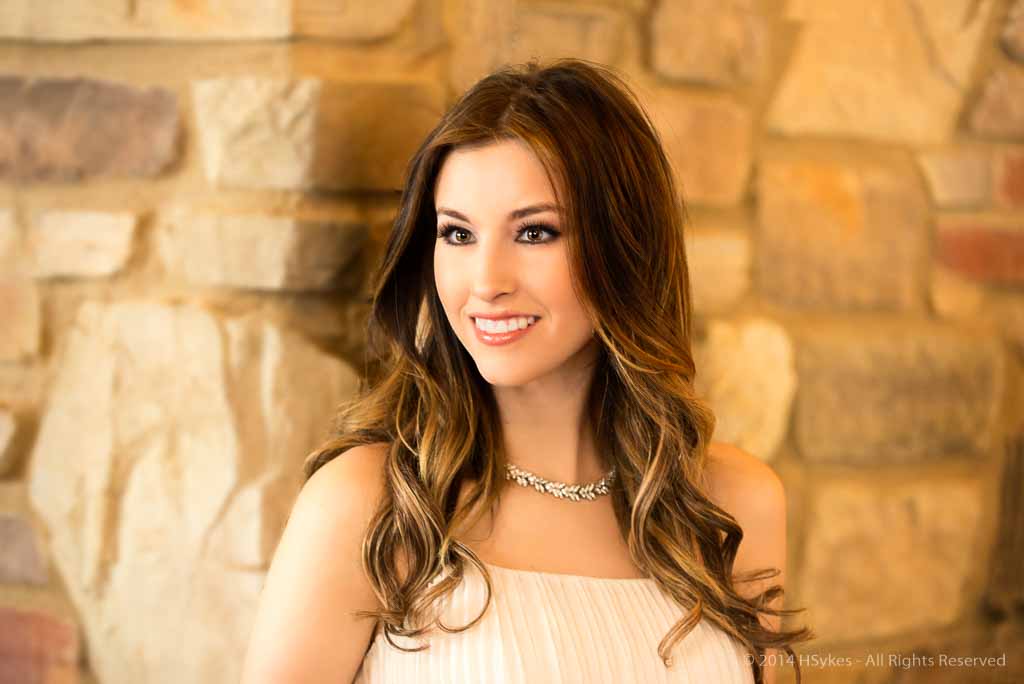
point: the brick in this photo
(1012, 37)
(1009, 178)
(547, 31)
(37, 635)
(981, 249)
(57, 129)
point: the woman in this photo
(527, 491)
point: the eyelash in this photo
(446, 230)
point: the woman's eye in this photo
(538, 229)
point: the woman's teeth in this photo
(505, 324)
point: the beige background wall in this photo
(191, 194)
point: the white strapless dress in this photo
(548, 627)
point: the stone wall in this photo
(191, 195)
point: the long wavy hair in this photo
(439, 418)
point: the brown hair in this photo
(439, 418)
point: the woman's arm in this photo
(752, 492)
(305, 630)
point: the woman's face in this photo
(503, 250)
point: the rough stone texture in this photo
(11, 257)
(22, 561)
(708, 139)
(1009, 178)
(834, 235)
(1012, 38)
(746, 373)
(161, 422)
(289, 254)
(958, 178)
(894, 392)
(361, 144)
(708, 41)
(719, 259)
(880, 560)
(81, 243)
(982, 248)
(908, 87)
(19, 318)
(257, 132)
(80, 20)
(59, 129)
(482, 41)
(8, 457)
(550, 30)
(954, 296)
(999, 112)
(350, 20)
(35, 643)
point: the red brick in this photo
(30, 635)
(31, 671)
(1009, 182)
(987, 254)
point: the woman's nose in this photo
(493, 272)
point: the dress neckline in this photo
(565, 576)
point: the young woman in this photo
(527, 491)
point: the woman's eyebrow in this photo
(517, 214)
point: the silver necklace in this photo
(561, 490)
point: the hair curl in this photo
(438, 416)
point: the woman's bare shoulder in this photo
(739, 480)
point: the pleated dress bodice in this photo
(551, 627)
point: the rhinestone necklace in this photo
(560, 490)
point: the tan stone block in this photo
(836, 235)
(257, 251)
(546, 31)
(708, 41)
(881, 559)
(20, 319)
(481, 32)
(257, 132)
(708, 140)
(719, 260)
(999, 111)
(81, 243)
(159, 417)
(34, 635)
(958, 178)
(350, 20)
(908, 86)
(361, 143)
(745, 371)
(889, 391)
(82, 20)
(953, 296)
